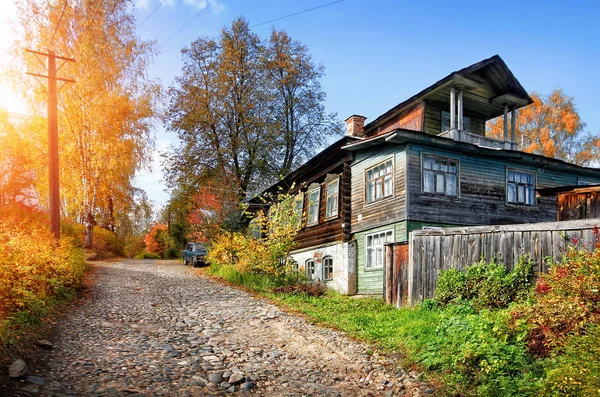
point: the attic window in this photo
(446, 122)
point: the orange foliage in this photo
(551, 127)
(157, 240)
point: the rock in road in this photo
(157, 328)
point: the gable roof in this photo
(492, 71)
(313, 169)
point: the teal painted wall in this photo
(371, 281)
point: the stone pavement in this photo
(157, 328)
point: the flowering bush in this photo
(566, 302)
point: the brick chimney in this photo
(355, 126)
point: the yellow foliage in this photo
(33, 266)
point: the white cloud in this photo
(215, 6)
(142, 4)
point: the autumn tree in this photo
(16, 173)
(298, 102)
(157, 240)
(105, 116)
(551, 127)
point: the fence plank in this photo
(438, 249)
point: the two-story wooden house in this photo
(424, 163)
(322, 190)
(427, 163)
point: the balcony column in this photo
(452, 108)
(505, 123)
(460, 110)
(513, 125)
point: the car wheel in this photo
(194, 262)
(185, 263)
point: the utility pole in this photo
(53, 170)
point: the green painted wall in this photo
(371, 281)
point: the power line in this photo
(58, 24)
(190, 21)
(153, 11)
(269, 21)
(296, 13)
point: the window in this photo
(309, 268)
(520, 187)
(446, 122)
(379, 181)
(333, 188)
(327, 268)
(440, 175)
(313, 206)
(374, 248)
(299, 206)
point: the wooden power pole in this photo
(53, 166)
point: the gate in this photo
(395, 274)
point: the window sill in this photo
(440, 196)
(382, 200)
(332, 218)
(374, 269)
(521, 206)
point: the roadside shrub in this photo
(566, 301)
(267, 256)
(302, 288)
(577, 371)
(158, 240)
(134, 245)
(486, 285)
(74, 230)
(34, 268)
(107, 243)
(172, 253)
(481, 352)
(147, 255)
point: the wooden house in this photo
(427, 163)
(322, 189)
(424, 163)
(581, 201)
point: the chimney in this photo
(355, 126)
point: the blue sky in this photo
(378, 53)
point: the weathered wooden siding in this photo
(481, 196)
(371, 281)
(578, 205)
(328, 231)
(433, 118)
(432, 251)
(388, 210)
(411, 119)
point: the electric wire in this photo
(296, 13)
(186, 24)
(58, 24)
(269, 21)
(153, 11)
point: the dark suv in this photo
(194, 253)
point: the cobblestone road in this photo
(159, 329)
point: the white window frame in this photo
(382, 179)
(446, 116)
(440, 172)
(377, 249)
(325, 260)
(299, 208)
(312, 275)
(334, 207)
(309, 218)
(517, 184)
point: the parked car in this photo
(194, 253)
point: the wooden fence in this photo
(433, 250)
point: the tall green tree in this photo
(246, 111)
(105, 116)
